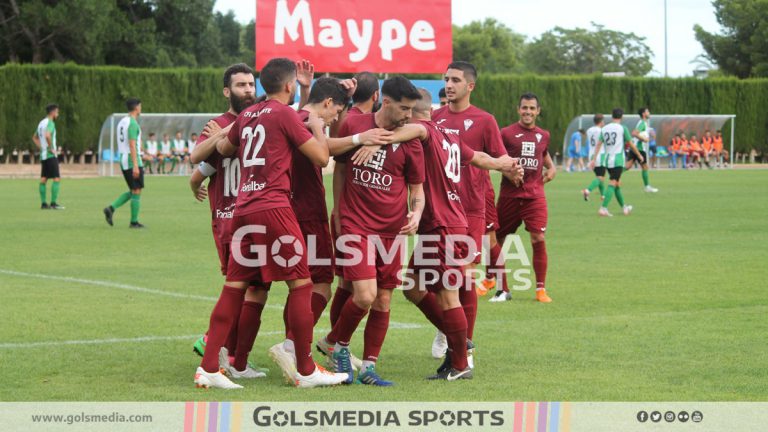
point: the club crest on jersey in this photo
(468, 124)
(538, 137)
(529, 149)
(377, 162)
(395, 146)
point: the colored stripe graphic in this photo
(518, 421)
(554, 416)
(237, 416)
(200, 424)
(530, 417)
(565, 422)
(542, 417)
(224, 426)
(213, 416)
(189, 416)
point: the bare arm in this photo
(203, 150)
(371, 137)
(134, 156)
(416, 204)
(550, 172)
(509, 167)
(196, 184)
(316, 148)
(36, 140)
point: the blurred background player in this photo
(674, 150)
(191, 144)
(527, 203)
(180, 154)
(151, 152)
(720, 153)
(442, 97)
(479, 130)
(614, 137)
(593, 136)
(166, 154)
(574, 152)
(641, 138)
(45, 139)
(129, 146)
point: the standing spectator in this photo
(45, 139)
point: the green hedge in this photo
(87, 95)
(563, 98)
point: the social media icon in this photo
(669, 416)
(642, 416)
(683, 416)
(655, 416)
(697, 416)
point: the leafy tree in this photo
(490, 45)
(582, 51)
(742, 49)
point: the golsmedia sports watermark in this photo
(434, 258)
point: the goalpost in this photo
(665, 125)
(160, 124)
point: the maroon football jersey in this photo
(530, 145)
(307, 189)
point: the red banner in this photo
(404, 36)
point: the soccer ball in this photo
(643, 136)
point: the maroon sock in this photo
(318, 305)
(231, 343)
(349, 318)
(288, 334)
(375, 332)
(339, 298)
(429, 307)
(468, 299)
(496, 269)
(300, 320)
(540, 263)
(248, 328)
(455, 329)
(222, 318)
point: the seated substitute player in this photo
(697, 152)
(151, 152)
(373, 211)
(45, 139)
(593, 136)
(442, 219)
(129, 146)
(707, 146)
(264, 137)
(720, 153)
(685, 150)
(327, 98)
(526, 203)
(641, 138)
(614, 137)
(191, 144)
(180, 154)
(223, 184)
(674, 150)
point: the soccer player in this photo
(707, 146)
(574, 152)
(697, 151)
(129, 146)
(151, 152)
(674, 149)
(685, 149)
(166, 154)
(527, 203)
(443, 217)
(720, 153)
(180, 154)
(443, 98)
(191, 144)
(45, 139)
(641, 138)
(264, 137)
(373, 210)
(479, 130)
(615, 137)
(223, 184)
(593, 136)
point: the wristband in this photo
(356, 139)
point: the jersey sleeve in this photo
(234, 134)
(50, 127)
(492, 138)
(133, 131)
(627, 136)
(414, 164)
(466, 154)
(295, 130)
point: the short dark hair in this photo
(193, 134)
(424, 103)
(132, 103)
(528, 96)
(235, 69)
(276, 73)
(328, 87)
(617, 113)
(399, 87)
(641, 110)
(151, 134)
(470, 71)
(581, 131)
(51, 107)
(367, 85)
(598, 118)
(441, 93)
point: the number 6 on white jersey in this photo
(250, 159)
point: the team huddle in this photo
(400, 169)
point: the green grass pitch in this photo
(668, 304)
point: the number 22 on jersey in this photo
(250, 158)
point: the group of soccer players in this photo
(401, 169)
(692, 151)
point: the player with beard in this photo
(373, 212)
(444, 217)
(479, 131)
(326, 100)
(264, 136)
(526, 202)
(223, 181)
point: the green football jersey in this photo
(128, 130)
(642, 126)
(614, 137)
(47, 149)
